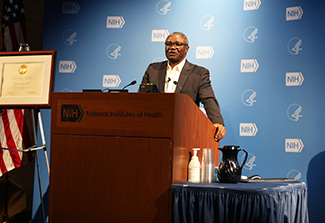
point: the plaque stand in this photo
(32, 148)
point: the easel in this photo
(47, 58)
(32, 148)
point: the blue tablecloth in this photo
(242, 203)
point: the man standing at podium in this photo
(177, 75)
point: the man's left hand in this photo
(220, 132)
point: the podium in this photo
(115, 156)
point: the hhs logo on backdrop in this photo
(250, 34)
(248, 97)
(113, 51)
(206, 22)
(293, 112)
(163, 7)
(294, 45)
(69, 37)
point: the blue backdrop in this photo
(265, 60)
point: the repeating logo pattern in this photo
(163, 7)
(294, 45)
(69, 37)
(294, 13)
(115, 22)
(294, 112)
(206, 22)
(251, 4)
(159, 35)
(249, 97)
(111, 80)
(70, 8)
(204, 52)
(250, 34)
(113, 51)
(67, 66)
(294, 79)
(249, 65)
(254, 52)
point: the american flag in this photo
(13, 25)
(12, 120)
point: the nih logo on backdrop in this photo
(247, 129)
(249, 66)
(251, 4)
(294, 79)
(204, 52)
(70, 7)
(111, 80)
(294, 13)
(67, 66)
(159, 35)
(293, 145)
(115, 22)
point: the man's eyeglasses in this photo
(177, 45)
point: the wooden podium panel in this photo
(115, 156)
(114, 175)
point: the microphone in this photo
(132, 83)
(176, 83)
(123, 89)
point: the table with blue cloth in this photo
(242, 202)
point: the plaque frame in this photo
(42, 99)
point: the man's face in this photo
(174, 53)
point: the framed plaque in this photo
(26, 79)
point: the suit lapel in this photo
(162, 76)
(183, 77)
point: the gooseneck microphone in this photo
(132, 83)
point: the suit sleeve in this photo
(208, 98)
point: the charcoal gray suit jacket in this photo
(193, 81)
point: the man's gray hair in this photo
(181, 34)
